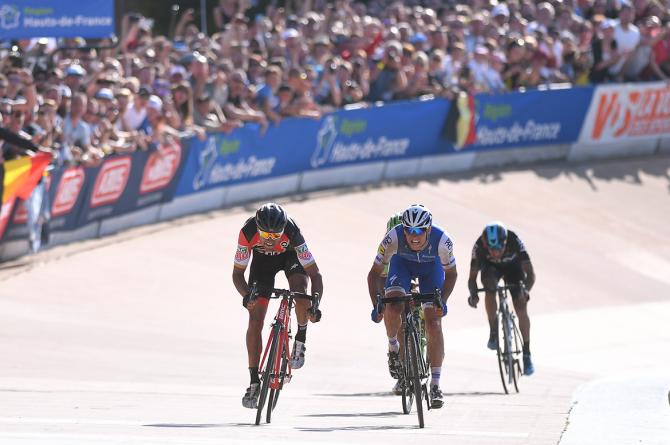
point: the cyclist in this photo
(415, 249)
(500, 253)
(277, 244)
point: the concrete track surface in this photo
(139, 338)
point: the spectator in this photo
(390, 80)
(77, 134)
(627, 38)
(208, 115)
(266, 96)
(136, 112)
(238, 107)
(605, 54)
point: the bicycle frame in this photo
(415, 367)
(283, 319)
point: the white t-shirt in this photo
(626, 41)
(133, 117)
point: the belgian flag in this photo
(20, 176)
(459, 126)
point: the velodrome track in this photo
(139, 338)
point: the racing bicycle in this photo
(510, 350)
(415, 363)
(275, 368)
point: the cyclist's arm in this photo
(375, 281)
(527, 267)
(474, 270)
(242, 256)
(387, 248)
(239, 281)
(315, 277)
(450, 275)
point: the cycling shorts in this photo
(402, 271)
(265, 267)
(512, 273)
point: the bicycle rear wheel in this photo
(415, 376)
(267, 372)
(502, 356)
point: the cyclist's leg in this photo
(397, 284)
(431, 278)
(297, 282)
(262, 271)
(513, 275)
(490, 276)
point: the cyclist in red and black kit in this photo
(500, 253)
(277, 244)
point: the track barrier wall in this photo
(393, 141)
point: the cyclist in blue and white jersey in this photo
(415, 249)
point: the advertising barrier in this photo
(520, 119)
(120, 185)
(24, 19)
(360, 146)
(394, 131)
(627, 112)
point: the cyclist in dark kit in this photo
(500, 253)
(277, 244)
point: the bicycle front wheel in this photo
(274, 393)
(267, 373)
(407, 393)
(517, 345)
(503, 365)
(415, 377)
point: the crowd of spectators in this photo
(306, 58)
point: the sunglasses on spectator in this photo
(3, 85)
(415, 230)
(269, 235)
(14, 79)
(17, 114)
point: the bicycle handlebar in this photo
(280, 293)
(512, 286)
(433, 297)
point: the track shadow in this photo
(359, 394)
(358, 428)
(472, 393)
(192, 425)
(386, 414)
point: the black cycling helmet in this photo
(495, 235)
(271, 217)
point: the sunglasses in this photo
(415, 231)
(269, 235)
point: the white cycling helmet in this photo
(417, 216)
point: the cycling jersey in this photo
(291, 241)
(439, 246)
(514, 251)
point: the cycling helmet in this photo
(417, 216)
(495, 235)
(271, 217)
(394, 221)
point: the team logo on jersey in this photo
(387, 241)
(242, 253)
(449, 244)
(381, 250)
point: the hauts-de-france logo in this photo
(325, 139)
(9, 16)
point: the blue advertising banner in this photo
(517, 119)
(399, 130)
(24, 19)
